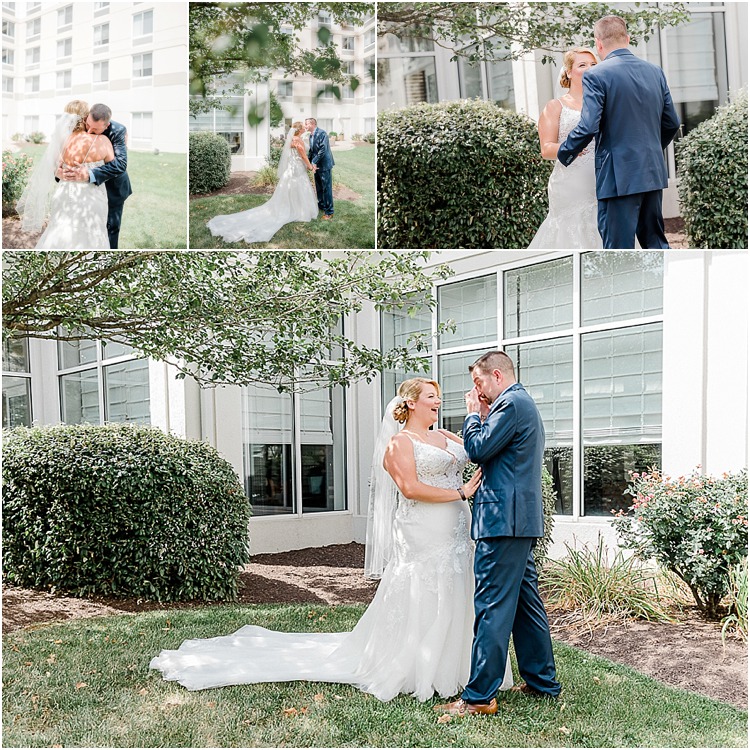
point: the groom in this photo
(628, 108)
(321, 157)
(114, 174)
(503, 433)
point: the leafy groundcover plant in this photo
(695, 526)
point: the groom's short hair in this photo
(311, 119)
(611, 30)
(101, 113)
(496, 360)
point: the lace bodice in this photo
(569, 118)
(438, 467)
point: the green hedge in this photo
(210, 162)
(712, 171)
(462, 174)
(121, 510)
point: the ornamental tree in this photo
(506, 31)
(223, 317)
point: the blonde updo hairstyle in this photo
(299, 128)
(80, 108)
(568, 60)
(410, 390)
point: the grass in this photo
(736, 621)
(353, 226)
(155, 214)
(87, 683)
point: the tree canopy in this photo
(508, 30)
(233, 43)
(223, 317)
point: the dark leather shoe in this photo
(462, 708)
(526, 690)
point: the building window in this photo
(324, 94)
(16, 384)
(142, 127)
(64, 47)
(64, 17)
(347, 43)
(33, 28)
(347, 67)
(369, 38)
(405, 79)
(32, 85)
(9, 29)
(33, 7)
(229, 123)
(369, 124)
(101, 35)
(101, 9)
(293, 451)
(101, 72)
(64, 79)
(487, 80)
(9, 57)
(33, 55)
(102, 382)
(347, 92)
(285, 89)
(324, 18)
(9, 6)
(142, 65)
(143, 23)
(325, 123)
(602, 310)
(7, 85)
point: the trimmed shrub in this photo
(695, 526)
(210, 162)
(36, 137)
(274, 156)
(369, 137)
(712, 169)
(121, 510)
(16, 168)
(462, 174)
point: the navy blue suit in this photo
(507, 519)
(320, 154)
(115, 176)
(627, 107)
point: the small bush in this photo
(266, 176)
(274, 156)
(357, 137)
(16, 168)
(121, 510)
(210, 162)
(17, 137)
(461, 174)
(333, 134)
(712, 169)
(695, 527)
(370, 137)
(599, 590)
(36, 137)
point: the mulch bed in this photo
(690, 655)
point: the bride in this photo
(572, 219)
(292, 200)
(77, 211)
(415, 637)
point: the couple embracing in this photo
(421, 635)
(294, 198)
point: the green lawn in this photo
(155, 215)
(87, 683)
(353, 225)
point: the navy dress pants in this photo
(324, 189)
(626, 217)
(506, 600)
(114, 219)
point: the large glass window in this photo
(102, 382)
(293, 450)
(16, 384)
(228, 123)
(143, 23)
(406, 72)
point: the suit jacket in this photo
(320, 150)
(509, 446)
(114, 173)
(627, 107)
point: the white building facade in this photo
(302, 96)
(705, 61)
(130, 56)
(635, 359)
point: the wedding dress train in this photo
(78, 216)
(414, 638)
(292, 200)
(573, 207)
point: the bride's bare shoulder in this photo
(451, 436)
(552, 108)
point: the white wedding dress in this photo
(292, 200)
(571, 223)
(78, 216)
(414, 638)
